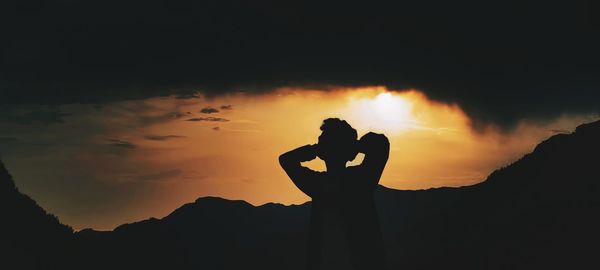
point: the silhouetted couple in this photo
(344, 227)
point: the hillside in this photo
(537, 213)
(31, 238)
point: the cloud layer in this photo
(501, 61)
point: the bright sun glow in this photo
(386, 111)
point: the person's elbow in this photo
(284, 161)
(376, 142)
(385, 142)
(381, 141)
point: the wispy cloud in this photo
(162, 137)
(176, 114)
(209, 110)
(208, 119)
(226, 107)
(188, 95)
(121, 144)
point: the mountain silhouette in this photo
(31, 238)
(537, 213)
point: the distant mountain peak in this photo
(212, 199)
(584, 139)
(589, 127)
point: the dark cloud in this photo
(209, 110)
(226, 107)
(121, 144)
(8, 140)
(160, 176)
(208, 119)
(216, 128)
(162, 137)
(501, 61)
(16, 115)
(188, 95)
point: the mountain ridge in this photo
(535, 213)
(592, 127)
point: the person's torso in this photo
(342, 210)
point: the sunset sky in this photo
(101, 166)
(116, 111)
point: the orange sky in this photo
(134, 159)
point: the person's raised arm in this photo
(304, 178)
(376, 148)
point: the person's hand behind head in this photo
(368, 140)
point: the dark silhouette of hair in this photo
(339, 128)
(338, 140)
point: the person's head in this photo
(337, 143)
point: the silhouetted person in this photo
(344, 228)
